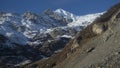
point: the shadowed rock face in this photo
(14, 53)
(3, 39)
(118, 16)
(97, 46)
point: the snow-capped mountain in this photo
(30, 24)
(66, 14)
(10, 27)
(78, 21)
(84, 20)
(20, 29)
(43, 34)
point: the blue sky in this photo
(78, 7)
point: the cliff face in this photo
(97, 46)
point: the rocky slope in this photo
(97, 46)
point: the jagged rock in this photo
(57, 32)
(72, 32)
(30, 15)
(50, 46)
(118, 16)
(75, 45)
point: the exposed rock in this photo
(97, 29)
(57, 32)
(74, 45)
(118, 16)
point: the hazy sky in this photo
(78, 7)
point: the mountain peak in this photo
(49, 12)
(66, 14)
(63, 12)
(60, 10)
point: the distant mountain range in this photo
(30, 35)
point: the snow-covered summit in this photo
(66, 14)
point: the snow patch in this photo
(66, 36)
